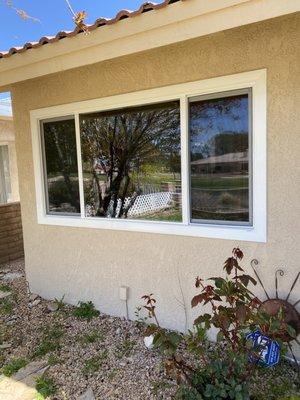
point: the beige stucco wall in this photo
(7, 137)
(90, 264)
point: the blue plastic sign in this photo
(269, 352)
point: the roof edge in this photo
(99, 23)
(183, 20)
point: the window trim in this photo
(256, 80)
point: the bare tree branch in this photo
(21, 13)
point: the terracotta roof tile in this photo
(123, 14)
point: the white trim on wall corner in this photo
(256, 80)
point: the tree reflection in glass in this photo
(220, 164)
(61, 168)
(131, 162)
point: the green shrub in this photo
(50, 341)
(53, 360)
(6, 307)
(91, 337)
(93, 364)
(13, 366)
(60, 304)
(86, 310)
(45, 386)
(125, 348)
(5, 288)
(219, 381)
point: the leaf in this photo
(198, 282)
(205, 318)
(230, 264)
(218, 281)
(220, 336)
(197, 299)
(150, 330)
(158, 339)
(175, 338)
(241, 312)
(245, 279)
(224, 321)
(291, 331)
(237, 252)
(255, 302)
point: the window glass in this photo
(61, 170)
(131, 163)
(220, 158)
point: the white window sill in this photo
(230, 232)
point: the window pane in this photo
(61, 170)
(220, 164)
(131, 163)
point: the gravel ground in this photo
(105, 354)
(127, 369)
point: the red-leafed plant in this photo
(234, 306)
(234, 312)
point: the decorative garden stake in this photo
(272, 306)
(270, 350)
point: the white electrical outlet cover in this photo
(123, 293)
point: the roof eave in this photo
(179, 22)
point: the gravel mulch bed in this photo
(105, 354)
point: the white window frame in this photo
(256, 80)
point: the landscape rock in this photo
(11, 276)
(5, 346)
(30, 380)
(148, 341)
(31, 372)
(34, 303)
(52, 307)
(33, 296)
(87, 395)
(4, 271)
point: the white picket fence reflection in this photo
(147, 203)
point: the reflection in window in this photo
(131, 163)
(61, 169)
(220, 163)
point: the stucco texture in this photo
(91, 264)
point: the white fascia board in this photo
(181, 21)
